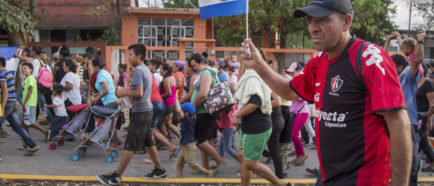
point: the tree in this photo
(426, 11)
(181, 3)
(18, 19)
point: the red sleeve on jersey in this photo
(381, 79)
(304, 83)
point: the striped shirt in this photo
(6, 76)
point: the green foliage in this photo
(15, 18)
(426, 11)
(371, 20)
(110, 36)
(180, 4)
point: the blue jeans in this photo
(41, 103)
(415, 163)
(159, 110)
(11, 115)
(20, 95)
(56, 124)
(225, 142)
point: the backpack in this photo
(45, 77)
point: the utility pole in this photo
(409, 18)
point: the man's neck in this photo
(337, 51)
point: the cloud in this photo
(402, 12)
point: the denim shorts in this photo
(28, 118)
(159, 110)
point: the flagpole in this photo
(247, 19)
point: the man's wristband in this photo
(419, 41)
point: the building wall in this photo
(129, 30)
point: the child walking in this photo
(30, 96)
(61, 116)
(188, 145)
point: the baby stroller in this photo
(102, 135)
(74, 126)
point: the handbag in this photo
(219, 98)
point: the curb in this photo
(169, 180)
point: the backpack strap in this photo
(359, 58)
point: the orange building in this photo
(171, 33)
(178, 33)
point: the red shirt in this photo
(92, 79)
(155, 94)
(181, 89)
(352, 141)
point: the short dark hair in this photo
(37, 50)
(98, 62)
(91, 51)
(70, 64)
(399, 60)
(28, 65)
(3, 62)
(88, 56)
(139, 49)
(64, 51)
(58, 88)
(27, 50)
(156, 63)
(205, 55)
(123, 66)
(196, 57)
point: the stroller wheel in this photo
(75, 157)
(60, 142)
(108, 159)
(53, 146)
(81, 153)
(114, 154)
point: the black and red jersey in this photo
(352, 141)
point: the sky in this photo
(402, 15)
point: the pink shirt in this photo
(299, 104)
(226, 118)
(411, 59)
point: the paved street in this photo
(59, 161)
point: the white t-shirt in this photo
(36, 65)
(158, 76)
(60, 110)
(74, 94)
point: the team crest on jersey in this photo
(337, 83)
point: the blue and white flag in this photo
(215, 8)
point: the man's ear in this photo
(348, 20)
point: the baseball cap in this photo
(188, 107)
(293, 67)
(322, 8)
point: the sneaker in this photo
(156, 173)
(313, 171)
(428, 169)
(109, 179)
(30, 151)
